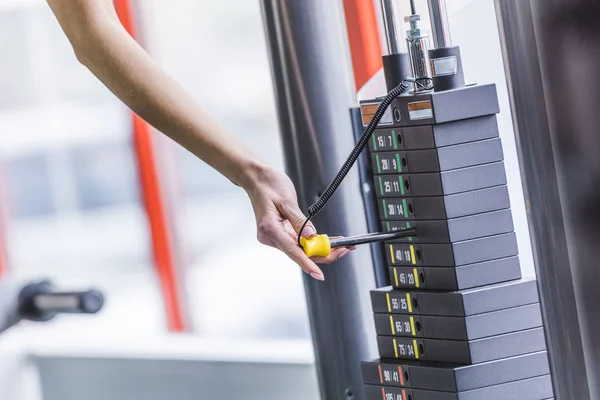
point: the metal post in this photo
(440, 29)
(313, 89)
(390, 21)
(553, 237)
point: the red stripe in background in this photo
(363, 36)
(164, 260)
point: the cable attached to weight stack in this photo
(360, 145)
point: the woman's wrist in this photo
(252, 172)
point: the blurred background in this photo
(72, 193)
(73, 212)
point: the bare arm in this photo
(102, 44)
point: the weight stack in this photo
(458, 321)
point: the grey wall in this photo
(74, 378)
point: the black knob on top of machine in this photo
(41, 302)
(396, 67)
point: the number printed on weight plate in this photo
(395, 209)
(403, 256)
(402, 278)
(402, 349)
(403, 304)
(389, 375)
(411, 350)
(384, 140)
(402, 326)
(388, 164)
(390, 186)
(399, 303)
(394, 186)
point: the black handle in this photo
(89, 302)
(40, 302)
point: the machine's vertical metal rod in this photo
(440, 29)
(548, 203)
(413, 9)
(313, 88)
(390, 22)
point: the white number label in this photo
(385, 164)
(395, 209)
(402, 349)
(387, 376)
(399, 326)
(403, 304)
(403, 256)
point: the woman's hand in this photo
(279, 219)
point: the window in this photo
(28, 186)
(105, 175)
(71, 174)
(70, 177)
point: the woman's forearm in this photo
(102, 44)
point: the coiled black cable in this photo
(360, 145)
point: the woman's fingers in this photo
(276, 232)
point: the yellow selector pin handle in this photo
(316, 246)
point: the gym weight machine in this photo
(313, 96)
